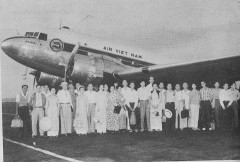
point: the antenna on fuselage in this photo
(60, 25)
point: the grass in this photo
(186, 145)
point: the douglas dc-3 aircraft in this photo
(75, 57)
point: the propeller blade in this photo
(70, 60)
(34, 82)
(25, 74)
(73, 53)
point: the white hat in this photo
(45, 124)
(64, 83)
(168, 113)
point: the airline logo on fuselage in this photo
(122, 52)
(56, 45)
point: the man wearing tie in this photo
(38, 101)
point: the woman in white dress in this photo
(100, 114)
(155, 110)
(80, 123)
(52, 111)
(122, 114)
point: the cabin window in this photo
(42, 36)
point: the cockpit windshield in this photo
(40, 36)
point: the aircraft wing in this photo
(225, 68)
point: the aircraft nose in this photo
(5, 45)
(10, 47)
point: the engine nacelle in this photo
(47, 79)
(87, 69)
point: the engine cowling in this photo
(86, 69)
(47, 79)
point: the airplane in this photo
(76, 57)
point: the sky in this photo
(151, 25)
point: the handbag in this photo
(117, 109)
(133, 118)
(17, 122)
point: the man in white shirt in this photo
(170, 105)
(125, 91)
(38, 101)
(66, 105)
(131, 104)
(226, 101)
(91, 95)
(179, 107)
(143, 95)
(234, 94)
(185, 93)
(22, 109)
(150, 85)
(216, 104)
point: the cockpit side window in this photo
(36, 34)
(42, 36)
(29, 34)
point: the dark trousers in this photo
(217, 113)
(206, 109)
(170, 123)
(137, 114)
(234, 108)
(227, 116)
(239, 114)
(23, 113)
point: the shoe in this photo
(142, 130)
(203, 129)
(34, 136)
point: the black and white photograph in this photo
(119, 80)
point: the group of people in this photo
(122, 108)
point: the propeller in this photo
(35, 74)
(25, 74)
(70, 60)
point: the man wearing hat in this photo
(66, 105)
